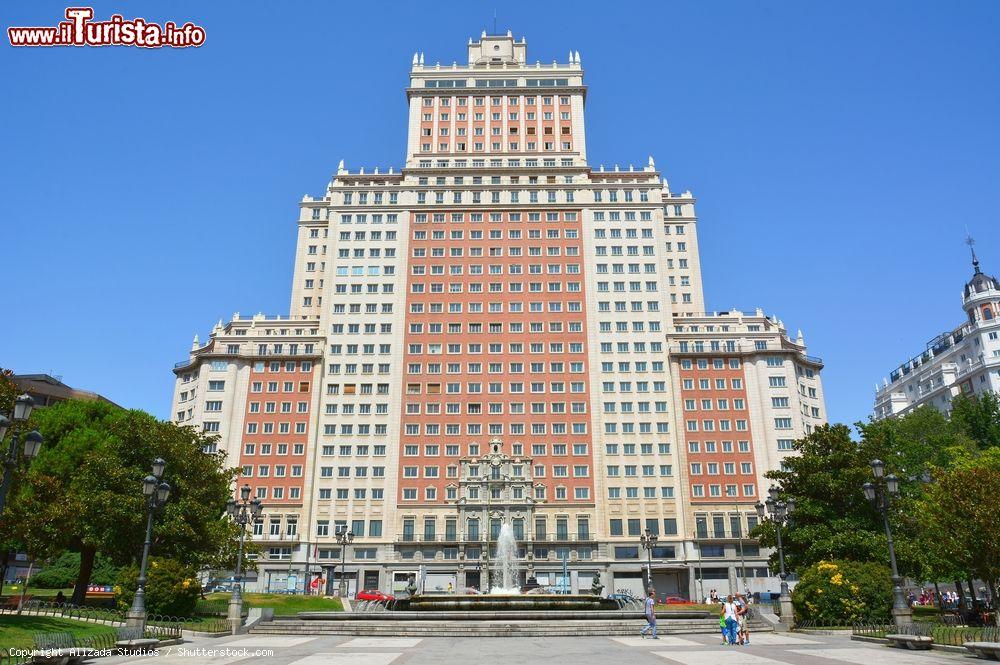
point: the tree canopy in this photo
(83, 492)
(943, 530)
(958, 517)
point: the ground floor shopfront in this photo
(692, 580)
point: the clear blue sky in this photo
(837, 150)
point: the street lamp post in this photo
(242, 512)
(648, 540)
(345, 537)
(778, 512)
(156, 493)
(29, 447)
(701, 577)
(879, 493)
(743, 562)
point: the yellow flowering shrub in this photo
(171, 588)
(843, 592)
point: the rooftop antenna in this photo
(494, 21)
(971, 242)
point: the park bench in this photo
(133, 638)
(984, 649)
(58, 649)
(916, 642)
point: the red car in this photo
(373, 594)
(676, 600)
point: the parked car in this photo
(621, 596)
(675, 600)
(373, 594)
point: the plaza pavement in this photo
(767, 649)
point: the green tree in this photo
(978, 417)
(8, 391)
(833, 520)
(959, 519)
(63, 570)
(83, 491)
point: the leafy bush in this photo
(843, 592)
(172, 589)
(63, 571)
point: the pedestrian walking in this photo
(650, 616)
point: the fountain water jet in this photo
(506, 561)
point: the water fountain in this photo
(506, 608)
(505, 592)
(506, 560)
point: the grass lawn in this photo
(19, 631)
(285, 604)
(15, 590)
(927, 614)
(49, 595)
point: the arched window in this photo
(987, 314)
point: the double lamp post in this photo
(156, 493)
(344, 537)
(648, 540)
(242, 512)
(778, 512)
(880, 493)
(28, 448)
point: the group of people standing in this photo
(733, 621)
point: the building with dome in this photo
(965, 360)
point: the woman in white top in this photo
(729, 613)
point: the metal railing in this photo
(86, 614)
(820, 624)
(873, 629)
(955, 636)
(158, 626)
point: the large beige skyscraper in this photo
(500, 332)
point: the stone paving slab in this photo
(881, 655)
(719, 656)
(383, 658)
(664, 641)
(380, 643)
(269, 641)
(773, 639)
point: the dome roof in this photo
(980, 281)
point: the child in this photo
(722, 627)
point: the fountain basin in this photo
(505, 603)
